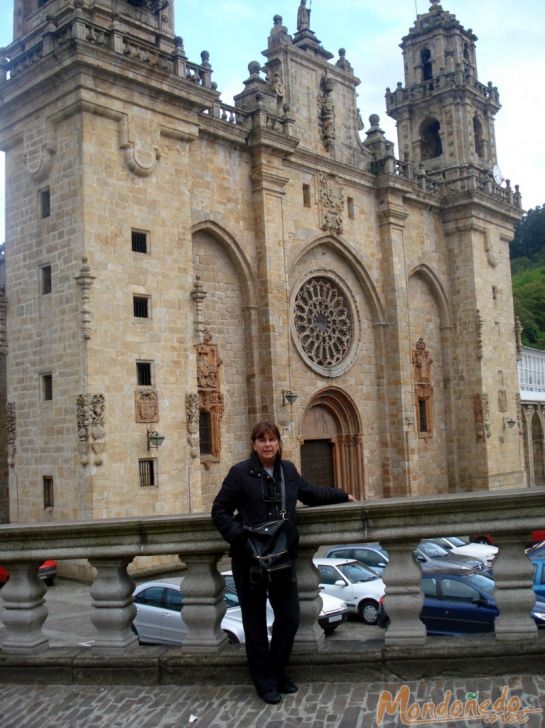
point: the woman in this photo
(251, 494)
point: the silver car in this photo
(159, 618)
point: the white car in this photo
(348, 579)
(455, 545)
(159, 617)
(334, 610)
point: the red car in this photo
(535, 537)
(47, 572)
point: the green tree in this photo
(529, 241)
(529, 299)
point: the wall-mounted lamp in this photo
(508, 422)
(155, 440)
(288, 397)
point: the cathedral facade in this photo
(177, 268)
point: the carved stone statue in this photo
(303, 17)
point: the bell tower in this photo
(444, 115)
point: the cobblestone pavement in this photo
(316, 705)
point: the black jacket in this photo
(249, 495)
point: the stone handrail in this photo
(399, 524)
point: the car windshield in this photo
(356, 572)
(455, 541)
(432, 549)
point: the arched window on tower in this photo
(478, 136)
(430, 140)
(427, 69)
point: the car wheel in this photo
(133, 628)
(482, 539)
(368, 611)
(233, 639)
(329, 630)
(50, 581)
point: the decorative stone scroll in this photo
(147, 405)
(481, 411)
(423, 388)
(11, 432)
(85, 281)
(3, 323)
(479, 323)
(192, 421)
(91, 433)
(211, 399)
(326, 112)
(332, 203)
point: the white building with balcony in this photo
(532, 395)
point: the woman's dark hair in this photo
(267, 428)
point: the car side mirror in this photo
(419, 558)
(479, 601)
(340, 582)
(382, 564)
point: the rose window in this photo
(323, 322)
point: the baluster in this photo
(309, 633)
(113, 609)
(24, 610)
(515, 598)
(404, 598)
(203, 604)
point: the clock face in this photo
(496, 173)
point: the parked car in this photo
(537, 557)
(457, 545)
(535, 538)
(457, 604)
(427, 554)
(159, 606)
(333, 613)
(371, 555)
(432, 556)
(158, 619)
(47, 571)
(360, 587)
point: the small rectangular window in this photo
(143, 373)
(205, 432)
(350, 207)
(148, 476)
(423, 425)
(46, 279)
(139, 240)
(306, 196)
(49, 500)
(45, 204)
(141, 307)
(47, 386)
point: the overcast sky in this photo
(510, 53)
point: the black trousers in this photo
(267, 661)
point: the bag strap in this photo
(283, 493)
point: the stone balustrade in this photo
(399, 524)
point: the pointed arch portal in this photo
(331, 442)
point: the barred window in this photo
(205, 432)
(141, 306)
(49, 500)
(143, 373)
(148, 475)
(139, 241)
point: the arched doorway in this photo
(331, 442)
(537, 447)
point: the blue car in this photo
(537, 557)
(457, 604)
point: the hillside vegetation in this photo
(528, 269)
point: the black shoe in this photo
(271, 697)
(287, 686)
